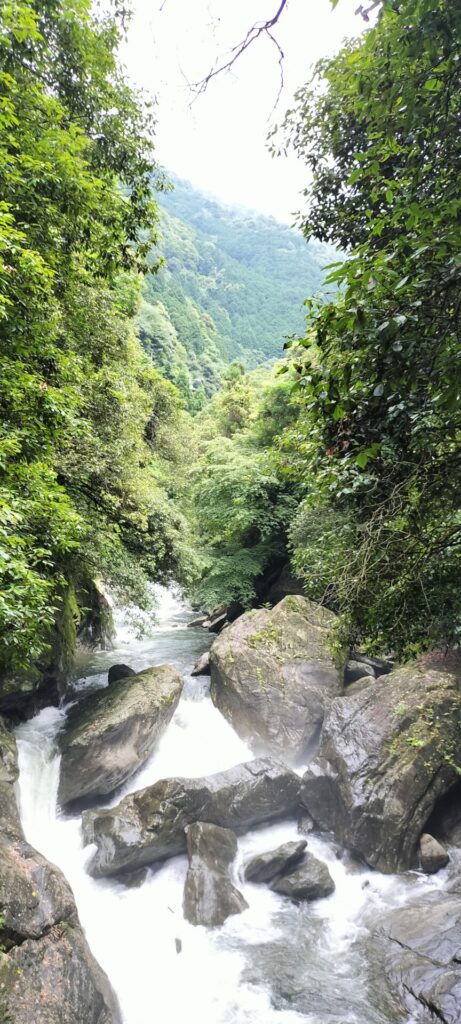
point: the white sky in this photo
(219, 141)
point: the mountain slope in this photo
(232, 289)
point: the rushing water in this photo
(277, 963)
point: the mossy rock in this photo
(274, 671)
(387, 756)
(111, 733)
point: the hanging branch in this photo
(261, 28)
(366, 11)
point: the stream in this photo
(276, 963)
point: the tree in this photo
(83, 482)
(378, 127)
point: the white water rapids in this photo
(277, 963)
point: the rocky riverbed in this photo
(266, 916)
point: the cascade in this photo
(277, 963)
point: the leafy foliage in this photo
(83, 488)
(379, 130)
(232, 288)
(242, 504)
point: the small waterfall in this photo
(277, 963)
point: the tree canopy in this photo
(378, 128)
(83, 492)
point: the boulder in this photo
(149, 825)
(310, 881)
(445, 823)
(34, 895)
(202, 666)
(24, 694)
(387, 756)
(356, 670)
(47, 972)
(55, 980)
(112, 732)
(215, 623)
(117, 672)
(286, 584)
(432, 855)
(306, 824)
(265, 866)
(209, 895)
(422, 947)
(359, 686)
(198, 621)
(273, 673)
(371, 666)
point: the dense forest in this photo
(232, 288)
(342, 458)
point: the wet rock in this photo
(265, 866)
(209, 894)
(198, 621)
(376, 666)
(359, 686)
(117, 672)
(135, 879)
(34, 895)
(47, 973)
(23, 695)
(112, 732)
(422, 955)
(272, 674)
(445, 821)
(433, 856)
(356, 670)
(55, 980)
(148, 826)
(382, 764)
(310, 881)
(216, 623)
(306, 824)
(202, 666)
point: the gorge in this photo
(277, 961)
(230, 539)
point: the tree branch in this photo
(254, 33)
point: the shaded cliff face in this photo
(47, 972)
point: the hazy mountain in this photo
(232, 289)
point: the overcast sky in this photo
(218, 142)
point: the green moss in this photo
(268, 636)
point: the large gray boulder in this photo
(421, 943)
(273, 673)
(311, 880)
(433, 856)
(55, 980)
(209, 894)
(202, 665)
(111, 733)
(34, 895)
(263, 867)
(47, 972)
(387, 755)
(149, 825)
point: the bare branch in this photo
(366, 11)
(281, 59)
(254, 33)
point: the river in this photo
(277, 963)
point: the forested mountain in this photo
(233, 287)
